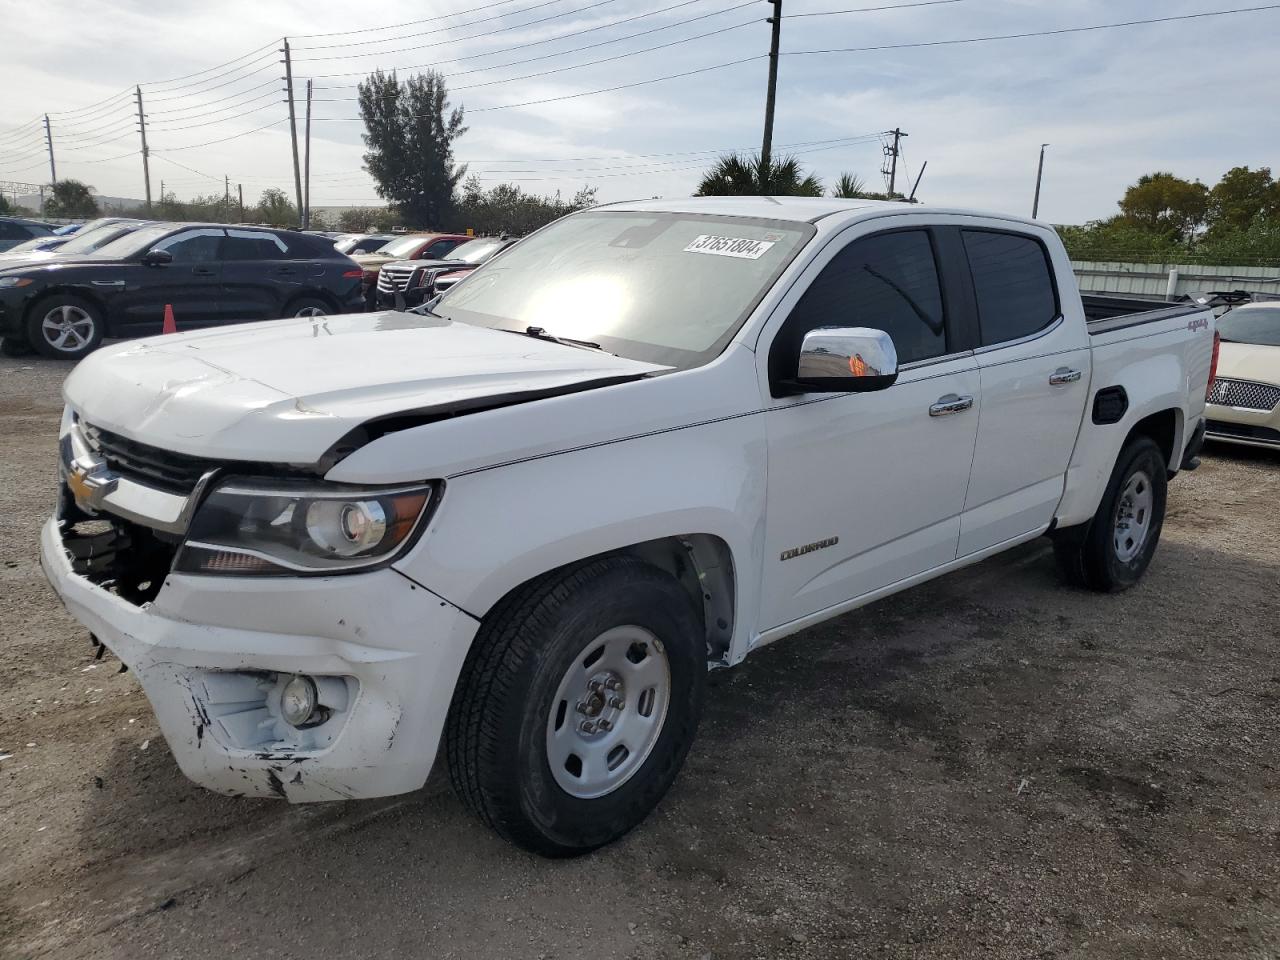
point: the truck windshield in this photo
(663, 288)
(1257, 325)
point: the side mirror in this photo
(846, 360)
(157, 258)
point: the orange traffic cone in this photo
(169, 325)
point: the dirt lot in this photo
(989, 765)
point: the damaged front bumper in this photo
(212, 654)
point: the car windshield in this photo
(367, 244)
(474, 251)
(1256, 325)
(403, 247)
(659, 287)
(35, 243)
(135, 243)
(86, 241)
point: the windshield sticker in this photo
(740, 248)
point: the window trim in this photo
(981, 347)
(950, 348)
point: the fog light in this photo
(298, 701)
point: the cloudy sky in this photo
(1196, 97)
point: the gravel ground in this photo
(989, 765)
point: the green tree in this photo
(506, 208)
(71, 198)
(409, 133)
(1167, 205)
(274, 207)
(1241, 197)
(1119, 239)
(850, 186)
(735, 175)
(5, 206)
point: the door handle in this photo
(1063, 375)
(949, 405)
(202, 271)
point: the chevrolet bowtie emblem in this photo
(90, 481)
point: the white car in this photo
(521, 524)
(1244, 405)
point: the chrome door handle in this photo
(1063, 375)
(949, 405)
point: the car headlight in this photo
(8, 282)
(246, 529)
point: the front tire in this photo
(63, 327)
(577, 705)
(1113, 550)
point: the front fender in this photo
(498, 528)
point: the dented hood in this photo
(284, 391)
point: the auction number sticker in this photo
(739, 247)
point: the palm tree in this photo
(850, 186)
(735, 175)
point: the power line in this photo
(427, 33)
(208, 123)
(402, 24)
(274, 65)
(230, 96)
(209, 143)
(1035, 33)
(892, 6)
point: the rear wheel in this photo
(577, 705)
(1113, 550)
(64, 327)
(308, 307)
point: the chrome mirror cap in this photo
(846, 360)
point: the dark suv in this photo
(15, 230)
(209, 273)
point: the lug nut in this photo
(581, 708)
(605, 725)
(613, 683)
(617, 703)
(587, 727)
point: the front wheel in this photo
(1113, 550)
(577, 705)
(65, 327)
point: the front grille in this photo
(174, 472)
(393, 279)
(1245, 431)
(1244, 394)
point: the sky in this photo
(1195, 97)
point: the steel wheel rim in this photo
(310, 312)
(67, 328)
(608, 712)
(1133, 516)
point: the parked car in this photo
(68, 229)
(519, 525)
(410, 246)
(210, 274)
(442, 282)
(412, 279)
(84, 241)
(1244, 405)
(16, 230)
(354, 243)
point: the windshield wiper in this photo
(538, 333)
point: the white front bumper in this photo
(398, 647)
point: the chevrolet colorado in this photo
(520, 524)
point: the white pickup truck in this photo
(521, 523)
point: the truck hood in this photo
(285, 391)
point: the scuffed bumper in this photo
(210, 653)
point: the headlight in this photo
(7, 282)
(245, 529)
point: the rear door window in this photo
(253, 245)
(1013, 283)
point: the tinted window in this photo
(439, 249)
(1258, 325)
(252, 245)
(887, 282)
(193, 246)
(1013, 284)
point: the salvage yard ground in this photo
(990, 765)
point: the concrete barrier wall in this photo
(1165, 279)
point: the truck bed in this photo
(1105, 314)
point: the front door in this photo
(191, 284)
(1035, 382)
(866, 489)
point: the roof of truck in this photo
(809, 209)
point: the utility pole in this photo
(146, 163)
(240, 189)
(766, 148)
(226, 193)
(1035, 206)
(916, 186)
(892, 153)
(293, 125)
(306, 192)
(48, 136)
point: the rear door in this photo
(258, 276)
(1034, 366)
(191, 284)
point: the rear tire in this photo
(594, 645)
(1113, 550)
(64, 327)
(308, 307)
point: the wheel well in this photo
(1161, 427)
(313, 295)
(65, 292)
